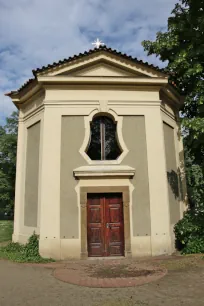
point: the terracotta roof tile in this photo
(26, 84)
(93, 51)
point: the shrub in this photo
(190, 230)
(31, 249)
(24, 253)
(189, 233)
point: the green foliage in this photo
(24, 253)
(195, 181)
(190, 233)
(8, 147)
(183, 47)
(190, 230)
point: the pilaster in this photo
(50, 185)
(159, 203)
(20, 180)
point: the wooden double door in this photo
(105, 232)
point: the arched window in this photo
(103, 144)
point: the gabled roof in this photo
(105, 49)
(94, 51)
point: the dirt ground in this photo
(34, 285)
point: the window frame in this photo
(87, 138)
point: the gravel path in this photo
(31, 285)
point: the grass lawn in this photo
(6, 230)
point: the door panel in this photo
(105, 225)
(95, 229)
(114, 214)
(114, 217)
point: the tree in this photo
(8, 147)
(182, 45)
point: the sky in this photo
(34, 33)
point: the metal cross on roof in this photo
(97, 43)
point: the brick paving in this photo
(100, 273)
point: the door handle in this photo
(107, 225)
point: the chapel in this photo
(100, 167)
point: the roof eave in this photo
(173, 94)
(19, 98)
(11, 94)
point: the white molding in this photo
(135, 103)
(71, 102)
(105, 170)
(124, 149)
(101, 80)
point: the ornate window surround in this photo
(119, 121)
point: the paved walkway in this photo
(109, 273)
(35, 285)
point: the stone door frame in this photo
(126, 211)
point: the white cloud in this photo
(36, 32)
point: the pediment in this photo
(101, 70)
(102, 65)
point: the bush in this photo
(24, 253)
(31, 249)
(189, 233)
(190, 230)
